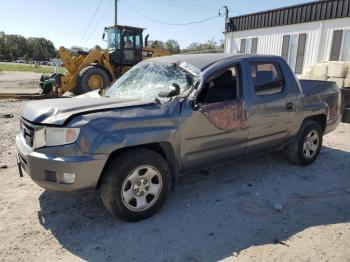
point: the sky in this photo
(81, 22)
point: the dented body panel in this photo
(190, 134)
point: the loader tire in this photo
(91, 78)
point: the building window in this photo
(293, 51)
(249, 46)
(345, 54)
(228, 45)
(340, 46)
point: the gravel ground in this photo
(261, 209)
(19, 82)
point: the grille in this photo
(28, 133)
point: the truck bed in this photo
(316, 87)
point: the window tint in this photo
(267, 78)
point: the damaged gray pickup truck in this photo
(169, 115)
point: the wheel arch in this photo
(321, 119)
(165, 149)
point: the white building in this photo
(302, 34)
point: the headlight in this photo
(55, 136)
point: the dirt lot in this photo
(19, 82)
(223, 213)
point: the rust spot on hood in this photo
(227, 115)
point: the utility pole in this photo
(226, 16)
(116, 12)
(226, 11)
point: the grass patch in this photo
(28, 68)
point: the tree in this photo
(98, 47)
(2, 46)
(77, 48)
(172, 46)
(13, 47)
(157, 44)
(210, 46)
(41, 49)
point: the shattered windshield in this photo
(145, 81)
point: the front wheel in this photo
(306, 147)
(135, 185)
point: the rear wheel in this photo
(135, 185)
(91, 78)
(306, 147)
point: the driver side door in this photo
(215, 129)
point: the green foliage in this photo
(77, 48)
(157, 44)
(13, 47)
(209, 47)
(172, 46)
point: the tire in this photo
(311, 136)
(124, 181)
(84, 77)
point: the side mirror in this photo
(194, 105)
(171, 93)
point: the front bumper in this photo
(46, 170)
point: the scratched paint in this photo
(228, 115)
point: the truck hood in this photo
(57, 111)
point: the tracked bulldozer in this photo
(98, 69)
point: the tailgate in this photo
(345, 108)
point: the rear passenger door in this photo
(271, 107)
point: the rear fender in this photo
(308, 111)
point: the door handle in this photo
(290, 106)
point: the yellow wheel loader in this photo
(98, 69)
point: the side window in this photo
(222, 88)
(267, 78)
(138, 42)
(129, 41)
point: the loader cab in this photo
(124, 44)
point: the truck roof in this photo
(201, 61)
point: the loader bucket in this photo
(48, 83)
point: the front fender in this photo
(106, 131)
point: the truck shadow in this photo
(212, 214)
